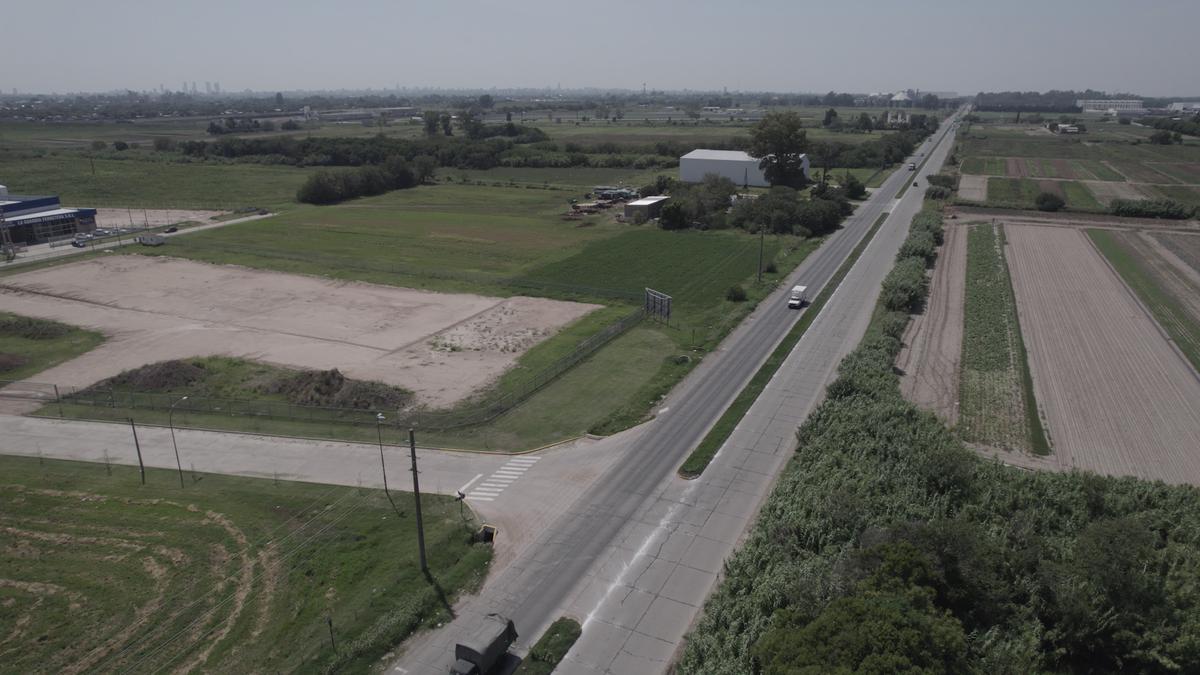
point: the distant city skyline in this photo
(768, 45)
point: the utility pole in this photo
(379, 419)
(171, 424)
(137, 446)
(329, 620)
(761, 236)
(412, 447)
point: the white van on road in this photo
(797, 297)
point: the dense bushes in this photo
(1048, 201)
(938, 192)
(330, 187)
(941, 180)
(887, 547)
(1150, 208)
(783, 210)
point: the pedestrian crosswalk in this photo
(492, 486)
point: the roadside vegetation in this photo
(104, 574)
(28, 345)
(550, 649)
(885, 524)
(996, 401)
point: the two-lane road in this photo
(637, 553)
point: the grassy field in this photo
(29, 346)
(996, 405)
(1171, 314)
(1018, 192)
(447, 237)
(144, 181)
(986, 166)
(103, 574)
(1184, 194)
(1079, 197)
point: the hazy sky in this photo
(1146, 46)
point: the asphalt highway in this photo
(547, 578)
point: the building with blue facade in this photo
(37, 219)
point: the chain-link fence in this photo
(469, 414)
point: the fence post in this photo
(58, 400)
(137, 446)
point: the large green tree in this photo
(780, 140)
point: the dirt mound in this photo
(330, 388)
(163, 376)
(11, 361)
(32, 329)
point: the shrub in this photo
(854, 187)
(937, 192)
(1150, 208)
(120, 146)
(905, 286)
(163, 144)
(919, 245)
(11, 361)
(942, 180)
(735, 294)
(99, 145)
(1048, 201)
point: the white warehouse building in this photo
(735, 165)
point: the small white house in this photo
(735, 165)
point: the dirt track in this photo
(932, 347)
(441, 346)
(134, 218)
(1118, 399)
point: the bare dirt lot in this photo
(973, 188)
(113, 218)
(1117, 398)
(932, 347)
(441, 346)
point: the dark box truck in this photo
(481, 651)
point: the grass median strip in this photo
(716, 437)
(551, 648)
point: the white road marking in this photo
(491, 487)
(463, 489)
(480, 499)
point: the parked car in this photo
(171, 230)
(79, 243)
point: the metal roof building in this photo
(28, 219)
(735, 165)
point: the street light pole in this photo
(412, 446)
(379, 420)
(171, 424)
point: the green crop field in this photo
(986, 166)
(1187, 173)
(104, 575)
(1139, 172)
(29, 346)
(1018, 192)
(1090, 169)
(995, 398)
(1079, 197)
(144, 181)
(1184, 194)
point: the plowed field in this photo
(1117, 397)
(933, 342)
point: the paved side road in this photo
(613, 559)
(520, 495)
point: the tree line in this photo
(887, 546)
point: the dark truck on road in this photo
(479, 653)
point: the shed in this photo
(735, 165)
(649, 207)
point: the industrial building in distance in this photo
(735, 165)
(27, 219)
